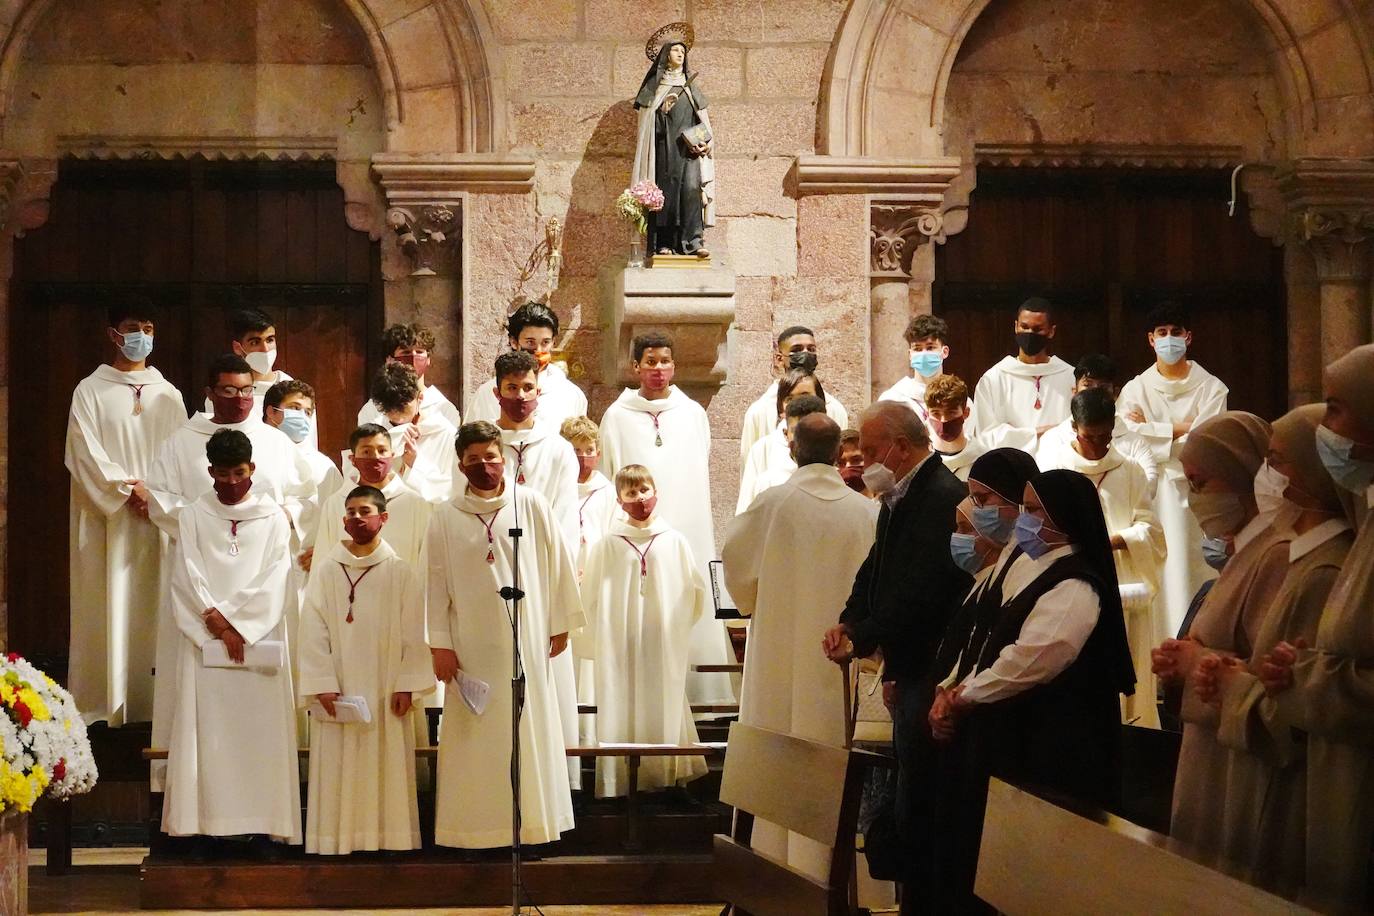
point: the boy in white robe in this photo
(362, 635)
(413, 345)
(1161, 405)
(177, 479)
(642, 593)
(537, 457)
(796, 349)
(660, 427)
(1137, 541)
(947, 410)
(423, 440)
(780, 470)
(470, 560)
(231, 759)
(1024, 396)
(120, 416)
(533, 328)
(1097, 370)
(851, 464)
(596, 500)
(927, 341)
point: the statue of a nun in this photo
(673, 147)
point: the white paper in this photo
(474, 691)
(347, 709)
(268, 653)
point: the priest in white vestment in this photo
(927, 341)
(1137, 540)
(533, 328)
(470, 561)
(663, 429)
(790, 561)
(362, 635)
(121, 414)
(1161, 405)
(642, 593)
(1023, 396)
(413, 345)
(231, 756)
(796, 349)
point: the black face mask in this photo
(1030, 343)
(802, 359)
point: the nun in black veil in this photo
(1036, 700)
(674, 144)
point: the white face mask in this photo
(260, 361)
(1274, 509)
(1217, 514)
(879, 477)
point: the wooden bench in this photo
(1040, 857)
(809, 788)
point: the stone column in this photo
(1331, 213)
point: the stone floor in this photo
(106, 881)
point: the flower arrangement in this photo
(42, 737)
(636, 202)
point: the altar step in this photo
(421, 880)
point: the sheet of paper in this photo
(347, 709)
(474, 692)
(268, 653)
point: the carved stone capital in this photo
(428, 235)
(895, 230)
(1331, 211)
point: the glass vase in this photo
(636, 248)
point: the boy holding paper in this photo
(231, 760)
(362, 660)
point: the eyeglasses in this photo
(228, 391)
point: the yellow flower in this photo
(35, 704)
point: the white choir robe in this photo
(115, 556)
(1126, 505)
(542, 459)
(260, 389)
(362, 775)
(672, 438)
(762, 417)
(407, 521)
(1008, 392)
(231, 759)
(1131, 446)
(434, 475)
(559, 399)
(466, 614)
(327, 480)
(911, 391)
(1198, 397)
(178, 478)
(790, 561)
(432, 401)
(769, 461)
(597, 508)
(640, 615)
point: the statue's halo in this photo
(669, 34)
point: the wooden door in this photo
(198, 238)
(1105, 246)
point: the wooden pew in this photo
(1038, 857)
(810, 788)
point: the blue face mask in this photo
(1214, 552)
(1171, 349)
(962, 548)
(136, 346)
(991, 525)
(1351, 474)
(295, 424)
(927, 363)
(1028, 536)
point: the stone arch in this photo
(451, 102)
(902, 53)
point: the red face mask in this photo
(485, 476)
(640, 509)
(231, 410)
(519, 411)
(657, 378)
(948, 430)
(363, 529)
(586, 464)
(231, 491)
(542, 358)
(853, 478)
(373, 470)
(417, 361)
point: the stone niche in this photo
(693, 306)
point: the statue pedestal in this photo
(693, 307)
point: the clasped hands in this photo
(837, 645)
(224, 631)
(137, 500)
(944, 714)
(1212, 672)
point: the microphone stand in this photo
(513, 595)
